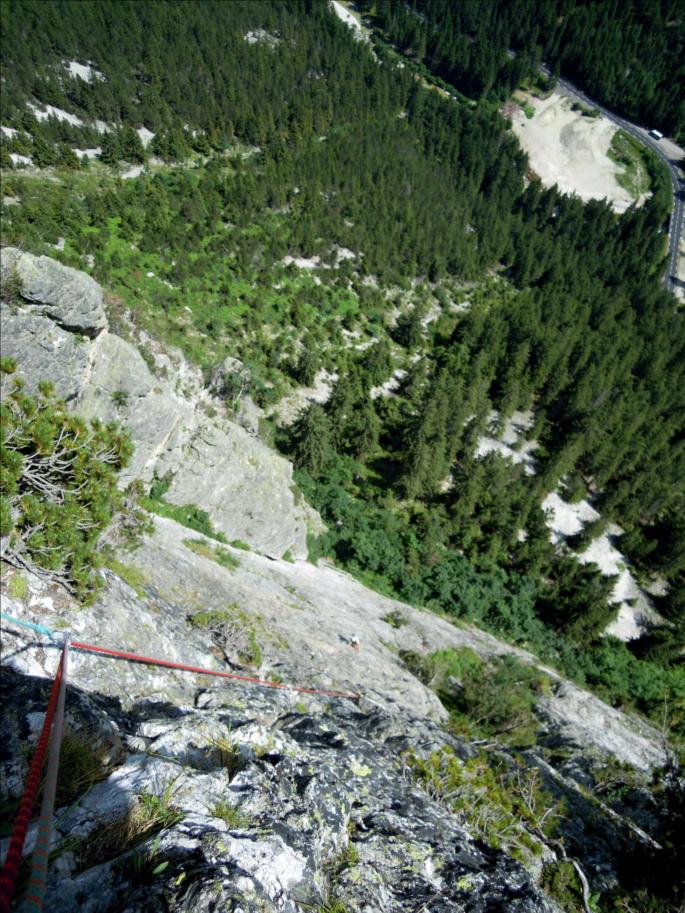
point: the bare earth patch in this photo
(570, 149)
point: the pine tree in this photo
(313, 450)
(111, 148)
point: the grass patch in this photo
(150, 813)
(238, 543)
(133, 576)
(231, 815)
(230, 756)
(189, 515)
(82, 764)
(628, 153)
(218, 555)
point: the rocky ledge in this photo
(275, 802)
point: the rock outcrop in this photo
(52, 322)
(68, 296)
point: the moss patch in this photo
(18, 586)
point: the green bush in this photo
(232, 630)
(58, 487)
(494, 698)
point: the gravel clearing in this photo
(569, 149)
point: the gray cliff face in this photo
(53, 323)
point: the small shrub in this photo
(395, 619)
(288, 556)
(495, 698)
(560, 881)
(159, 487)
(120, 398)
(11, 288)
(501, 804)
(59, 488)
(238, 543)
(232, 631)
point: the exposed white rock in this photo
(349, 19)
(89, 153)
(247, 489)
(133, 172)
(261, 36)
(290, 407)
(636, 611)
(566, 519)
(302, 615)
(511, 442)
(20, 159)
(83, 71)
(9, 131)
(303, 262)
(146, 136)
(585, 721)
(69, 297)
(52, 111)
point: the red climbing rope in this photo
(34, 897)
(76, 644)
(8, 876)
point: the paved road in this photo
(677, 179)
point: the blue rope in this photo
(39, 629)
